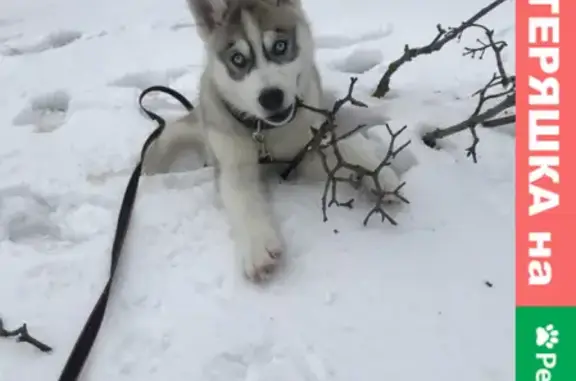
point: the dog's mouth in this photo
(282, 117)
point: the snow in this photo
(352, 303)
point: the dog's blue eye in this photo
(238, 59)
(280, 47)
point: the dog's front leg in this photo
(243, 195)
(250, 217)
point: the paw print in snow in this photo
(547, 336)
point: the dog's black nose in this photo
(271, 99)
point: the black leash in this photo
(85, 341)
(87, 337)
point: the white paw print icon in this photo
(547, 336)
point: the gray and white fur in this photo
(259, 60)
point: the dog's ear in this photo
(208, 14)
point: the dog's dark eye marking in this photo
(238, 63)
(284, 47)
(238, 60)
(280, 47)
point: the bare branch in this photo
(380, 202)
(508, 100)
(442, 37)
(497, 122)
(501, 89)
(357, 174)
(345, 136)
(495, 46)
(325, 138)
(23, 336)
(327, 125)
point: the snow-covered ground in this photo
(353, 302)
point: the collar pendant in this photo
(260, 139)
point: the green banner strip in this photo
(546, 344)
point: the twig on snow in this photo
(443, 36)
(508, 99)
(23, 336)
(504, 96)
(497, 122)
(495, 46)
(325, 137)
(327, 125)
(358, 173)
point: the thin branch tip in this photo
(22, 335)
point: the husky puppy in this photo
(259, 61)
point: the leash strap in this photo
(87, 337)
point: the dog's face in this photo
(259, 53)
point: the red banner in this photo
(546, 153)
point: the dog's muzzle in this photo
(282, 117)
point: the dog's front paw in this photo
(262, 256)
